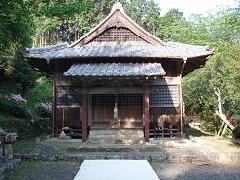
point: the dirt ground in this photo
(196, 171)
(39, 170)
(66, 170)
(198, 158)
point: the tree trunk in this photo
(219, 111)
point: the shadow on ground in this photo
(196, 171)
(39, 170)
(190, 131)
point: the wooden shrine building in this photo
(118, 77)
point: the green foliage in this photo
(236, 132)
(41, 93)
(11, 107)
(221, 71)
(65, 8)
(145, 12)
(18, 125)
(23, 74)
(50, 15)
(226, 27)
(40, 20)
(15, 31)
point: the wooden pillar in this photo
(83, 110)
(115, 112)
(181, 98)
(146, 114)
(89, 110)
(53, 105)
(181, 109)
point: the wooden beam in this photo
(168, 81)
(83, 110)
(146, 114)
(108, 90)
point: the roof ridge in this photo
(117, 6)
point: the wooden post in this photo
(181, 98)
(83, 117)
(115, 112)
(90, 110)
(53, 105)
(181, 109)
(146, 115)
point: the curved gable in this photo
(119, 23)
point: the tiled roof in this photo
(120, 49)
(116, 69)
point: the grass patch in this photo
(39, 170)
(27, 143)
(22, 144)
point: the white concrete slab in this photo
(116, 170)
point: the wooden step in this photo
(118, 136)
(115, 132)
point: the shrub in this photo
(45, 109)
(236, 132)
(40, 97)
(13, 104)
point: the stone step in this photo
(115, 141)
(117, 136)
(156, 156)
(94, 148)
(115, 132)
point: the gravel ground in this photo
(66, 170)
(198, 159)
(196, 171)
(38, 170)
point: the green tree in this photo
(144, 12)
(221, 71)
(15, 32)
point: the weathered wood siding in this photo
(165, 102)
(164, 97)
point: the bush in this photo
(12, 107)
(236, 132)
(24, 127)
(23, 74)
(45, 109)
(39, 98)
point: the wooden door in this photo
(130, 107)
(117, 111)
(103, 111)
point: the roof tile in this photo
(116, 69)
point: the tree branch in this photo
(219, 111)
